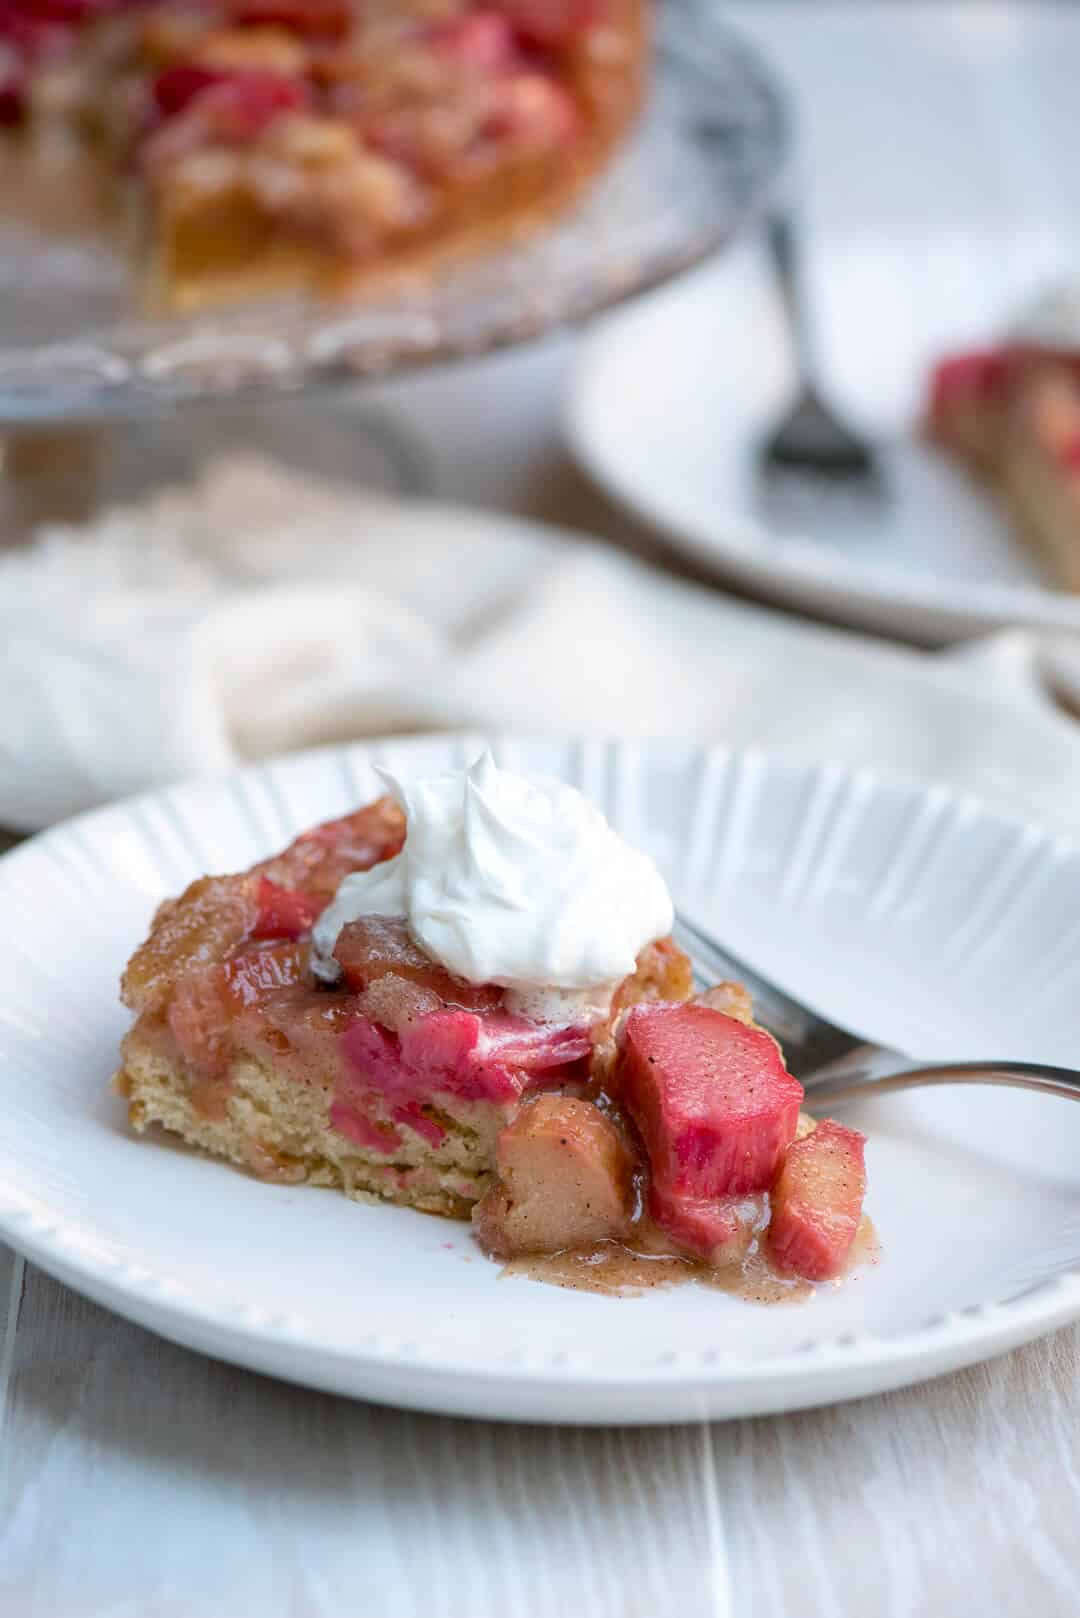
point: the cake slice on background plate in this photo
(1010, 415)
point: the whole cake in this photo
(273, 144)
(464, 997)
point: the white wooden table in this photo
(140, 1481)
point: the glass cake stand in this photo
(78, 362)
(706, 154)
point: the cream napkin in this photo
(258, 611)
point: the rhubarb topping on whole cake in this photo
(324, 143)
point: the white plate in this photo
(670, 398)
(918, 916)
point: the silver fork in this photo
(811, 459)
(834, 1064)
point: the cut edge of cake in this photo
(281, 1131)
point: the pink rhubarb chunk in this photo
(718, 1230)
(13, 90)
(714, 1103)
(481, 40)
(244, 104)
(531, 109)
(817, 1202)
(553, 24)
(318, 859)
(176, 87)
(355, 1125)
(459, 1054)
(285, 912)
(963, 377)
(208, 1000)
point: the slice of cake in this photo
(292, 1019)
(1010, 415)
(465, 998)
(324, 144)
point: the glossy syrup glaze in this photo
(626, 1270)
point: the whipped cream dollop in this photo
(514, 881)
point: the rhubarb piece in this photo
(205, 1003)
(395, 1002)
(177, 86)
(285, 912)
(967, 403)
(719, 1231)
(298, 1032)
(210, 918)
(552, 24)
(663, 972)
(351, 1119)
(565, 1181)
(714, 1103)
(531, 111)
(73, 11)
(493, 1058)
(31, 36)
(28, 38)
(319, 859)
(480, 40)
(377, 946)
(256, 973)
(244, 104)
(13, 88)
(428, 1128)
(961, 377)
(217, 914)
(817, 1202)
(480, 121)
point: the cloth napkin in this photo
(258, 611)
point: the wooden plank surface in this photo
(960, 1497)
(143, 1479)
(140, 1479)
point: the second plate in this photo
(671, 397)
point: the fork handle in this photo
(1058, 1081)
(782, 238)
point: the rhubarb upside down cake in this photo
(464, 997)
(267, 145)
